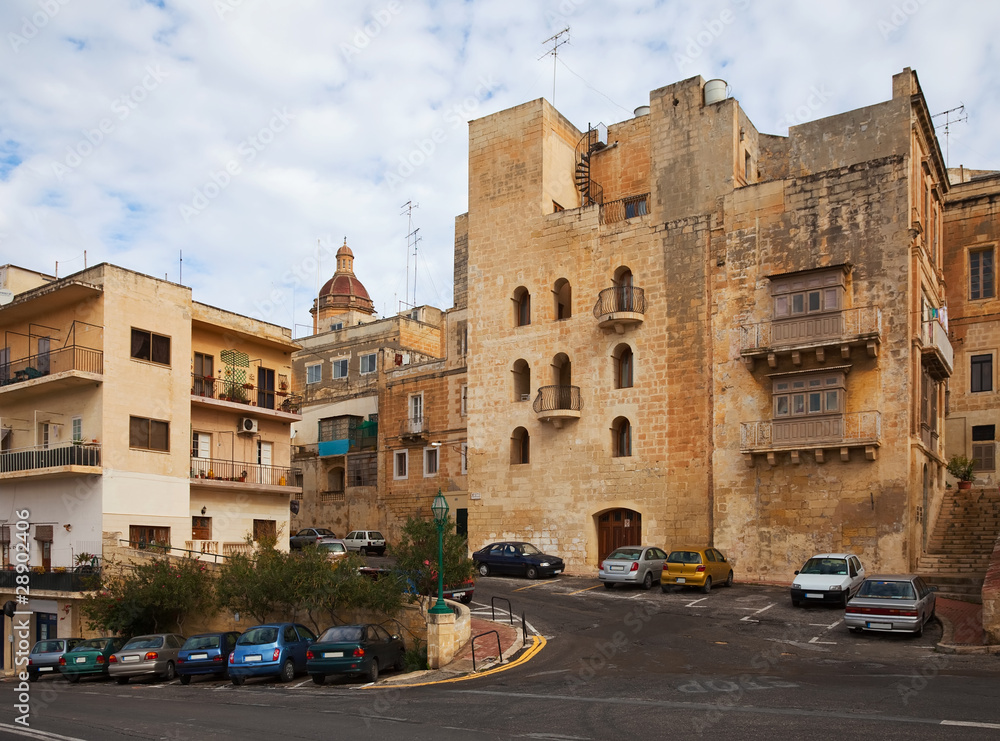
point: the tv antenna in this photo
(948, 121)
(411, 241)
(557, 41)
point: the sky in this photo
(251, 137)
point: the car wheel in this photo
(171, 673)
(847, 598)
(364, 551)
(647, 581)
(795, 602)
(609, 585)
(665, 588)
(400, 661)
(466, 599)
(73, 678)
(708, 585)
(372, 673)
(287, 671)
(484, 569)
(729, 579)
(121, 680)
(238, 681)
(185, 679)
(531, 572)
(32, 676)
(318, 678)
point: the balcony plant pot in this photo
(962, 485)
(961, 468)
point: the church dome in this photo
(344, 291)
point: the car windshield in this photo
(201, 642)
(258, 636)
(529, 550)
(828, 566)
(324, 531)
(47, 647)
(626, 554)
(144, 642)
(887, 590)
(333, 547)
(98, 644)
(684, 557)
(341, 634)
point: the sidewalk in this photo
(963, 627)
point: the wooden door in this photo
(617, 528)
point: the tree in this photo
(417, 556)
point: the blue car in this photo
(272, 650)
(207, 653)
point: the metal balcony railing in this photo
(625, 208)
(855, 428)
(77, 579)
(244, 393)
(250, 474)
(71, 454)
(550, 398)
(620, 299)
(74, 357)
(414, 427)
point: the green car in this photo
(89, 658)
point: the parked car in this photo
(366, 542)
(334, 548)
(206, 653)
(44, 657)
(891, 604)
(89, 658)
(828, 577)
(149, 655)
(308, 536)
(272, 650)
(460, 592)
(515, 557)
(356, 650)
(696, 567)
(637, 564)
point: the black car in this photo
(511, 557)
(206, 653)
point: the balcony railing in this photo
(244, 393)
(811, 432)
(938, 355)
(26, 459)
(625, 208)
(556, 403)
(213, 469)
(849, 325)
(620, 306)
(414, 427)
(64, 359)
(79, 579)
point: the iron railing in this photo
(244, 393)
(73, 454)
(248, 473)
(855, 428)
(625, 208)
(74, 357)
(848, 324)
(79, 579)
(412, 426)
(618, 299)
(558, 397)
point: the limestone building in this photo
(686, 331)
(131, 415)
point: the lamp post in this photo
(440, 510)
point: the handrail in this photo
(493, 607)
(166, 549)
(499, 649)
(248, 473)
(244, 393)
(623, 209)
(70, 454)
(73, 357)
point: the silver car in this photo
(150, 655)
(891, 604)
(636, 564)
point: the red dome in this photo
(344, 285)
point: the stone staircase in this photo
(959, 549)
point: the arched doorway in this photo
(617, 528)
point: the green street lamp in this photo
(440, 510)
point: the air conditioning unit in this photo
(248, 425)
(525, 397)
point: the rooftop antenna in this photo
(554, 52)
(411, 240)
(948, 121)
(180, 273)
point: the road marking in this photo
(531, 586)
(295, 686)
(817, 641)
(828, 627)
(554, 671)
(969, 724)
(695, 603)
(578, 591)
(31, 733)
(749, 618)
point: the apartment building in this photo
(686, 331)
(132, 415)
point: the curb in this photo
(946, 645)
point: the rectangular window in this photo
(314, 373)
(327, 429)
(77, 428)
(790, 401)
(336, 326)
(984, 457)
(201, 445)
(982, 274)
(368, 363)
(982, 373)
(265, 529)
(263, 453)
(417, 408)
(148, 434)
(204, 375)
(399, 464)
(340, 368)
(265, 388)
(149, 346)
(430, 461)
(141, 536)
(747, 163)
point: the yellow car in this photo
(696, 567)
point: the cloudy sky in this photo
(252, 135)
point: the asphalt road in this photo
(623, 663)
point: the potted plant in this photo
(961, 468)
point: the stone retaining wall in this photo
(991, 598)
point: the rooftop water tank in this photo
(715, 91)
(642, 110)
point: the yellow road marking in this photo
(531, 586)
(583, 590)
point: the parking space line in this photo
(831, 626)
(749, 618)
(531, 586)
(578, 591)
(695, 603)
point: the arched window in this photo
(522, 380)
(520, 447)
(621, 438)
(335, 479)
(624, 299)
(624, 366)
(522, 307)
(563, 292)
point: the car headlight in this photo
(836, 588)
(796, 586)
(544, 563)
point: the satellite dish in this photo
(6, 296)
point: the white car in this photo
(828, 577)
(365, 542)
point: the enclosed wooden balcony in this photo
(620, 307)
(936, 351)
(818, 434)
(556, 404)
(821, 333)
